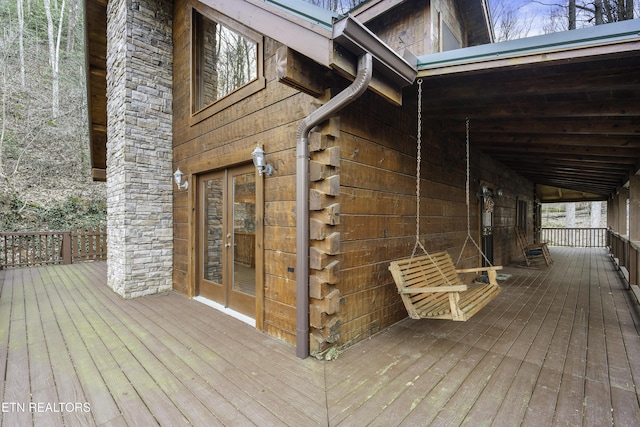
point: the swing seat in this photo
(431, 288)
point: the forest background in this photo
(45, 179)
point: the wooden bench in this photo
(430, 287)
(534, 251)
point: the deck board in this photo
(558, 346)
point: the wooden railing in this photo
(626, 256)
(575, 237)
(26, 249)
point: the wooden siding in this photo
(558, 346)
(378, 207)
(270, 118)
(353, 295)
(417, 26)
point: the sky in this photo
(534, 15)
(531, 15)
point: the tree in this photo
(44, 158)
(54, 53)
(572, 14)
(340, 6)
(509, 22)
(20, 9)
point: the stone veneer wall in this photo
(139, 146)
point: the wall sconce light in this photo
(483, 191)
(182, 183)
(499, 192)
(259, 162)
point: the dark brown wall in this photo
(378, 206)
(269, 117)
(377, 191)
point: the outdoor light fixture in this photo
(182, 183)
(259, 162)
(499, 192)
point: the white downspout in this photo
(351, 93)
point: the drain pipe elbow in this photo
(335, 104)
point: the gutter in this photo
(347, 96)
(399, 72)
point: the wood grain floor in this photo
(558, 346)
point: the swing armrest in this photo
(421, 290)
(491, 272)
(479, 269)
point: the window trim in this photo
(239, 94)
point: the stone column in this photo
(139, 146)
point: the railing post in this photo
(66, 248)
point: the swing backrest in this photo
(431, 270)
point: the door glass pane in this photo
(244, 233)
(213, 230)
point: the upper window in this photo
(226, 64)
(449, 40)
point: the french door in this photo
(227, 225)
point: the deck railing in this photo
(26, 249)
(626, 256)
(575, 237)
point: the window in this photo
(521, 212)
(449, 40)
(226, 64)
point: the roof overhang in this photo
(573, 45)
(560, 109)
(96, 70)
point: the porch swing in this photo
(429, 284)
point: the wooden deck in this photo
(558, 346)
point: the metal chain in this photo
(467, 184)
(469, 237)
(418, 161)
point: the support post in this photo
(139, 147)
(66, 248)
(634, 208)
(622, 211)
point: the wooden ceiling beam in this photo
(608, 127)
(556, 149)
(595, 141)
(621, 105)
(534, 83)
(560, 164)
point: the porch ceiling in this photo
(563, 110)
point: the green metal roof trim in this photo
(584, 37)
(310, 12)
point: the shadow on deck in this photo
(558, 346)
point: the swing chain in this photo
(467, 182)
(418, 161)
(469, 237)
